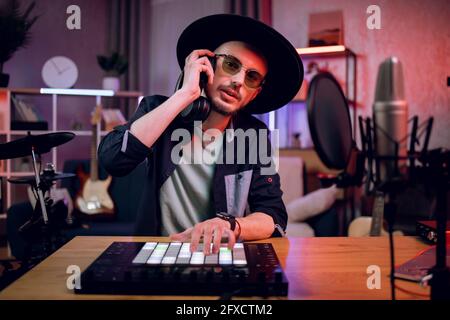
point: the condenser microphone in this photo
(390, 114)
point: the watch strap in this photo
(227, 217)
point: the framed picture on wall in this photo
(325, 29)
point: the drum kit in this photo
(45, 222)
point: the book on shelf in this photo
(25, 117)
(4, 109)
(326, 29)
(3, 120)
(23, 111)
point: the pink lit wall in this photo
(417, 32)
(50, 37)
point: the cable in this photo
(390, 212)
(391, 248)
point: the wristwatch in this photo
(227, 217)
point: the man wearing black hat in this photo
(249, 68)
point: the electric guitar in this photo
(93, 197)
(371, 226)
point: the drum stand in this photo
(45, 223)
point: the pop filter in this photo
(329, 121)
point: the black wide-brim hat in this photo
(285, 68)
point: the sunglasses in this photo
(232, 65)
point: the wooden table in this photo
(317, 268)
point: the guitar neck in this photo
(94, 162)
(377, 214)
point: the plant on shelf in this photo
(14, 32)
(114, 66)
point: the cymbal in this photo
(42, 143)
(44, 177)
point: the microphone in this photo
(390, 114)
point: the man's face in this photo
(229, 93)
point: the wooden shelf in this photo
(9, 135)
(325, 51)
(339, 51)
(16, 174)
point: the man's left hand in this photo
(211, 230)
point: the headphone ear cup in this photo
(197, 110)
(203, 108)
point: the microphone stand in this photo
(393, 185)
(390, 187)
(440, 281)
(391, 250)
(434, 166)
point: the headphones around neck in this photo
(201, 107)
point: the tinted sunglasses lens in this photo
(253, 79)
(231, 65)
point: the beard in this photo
(221, 110)
(222, 107)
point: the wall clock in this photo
(60, 72)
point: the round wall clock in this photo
(60, 72)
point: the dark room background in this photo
(417, 32)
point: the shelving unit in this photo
(290, 119)
(347, 200)
(7, 135)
